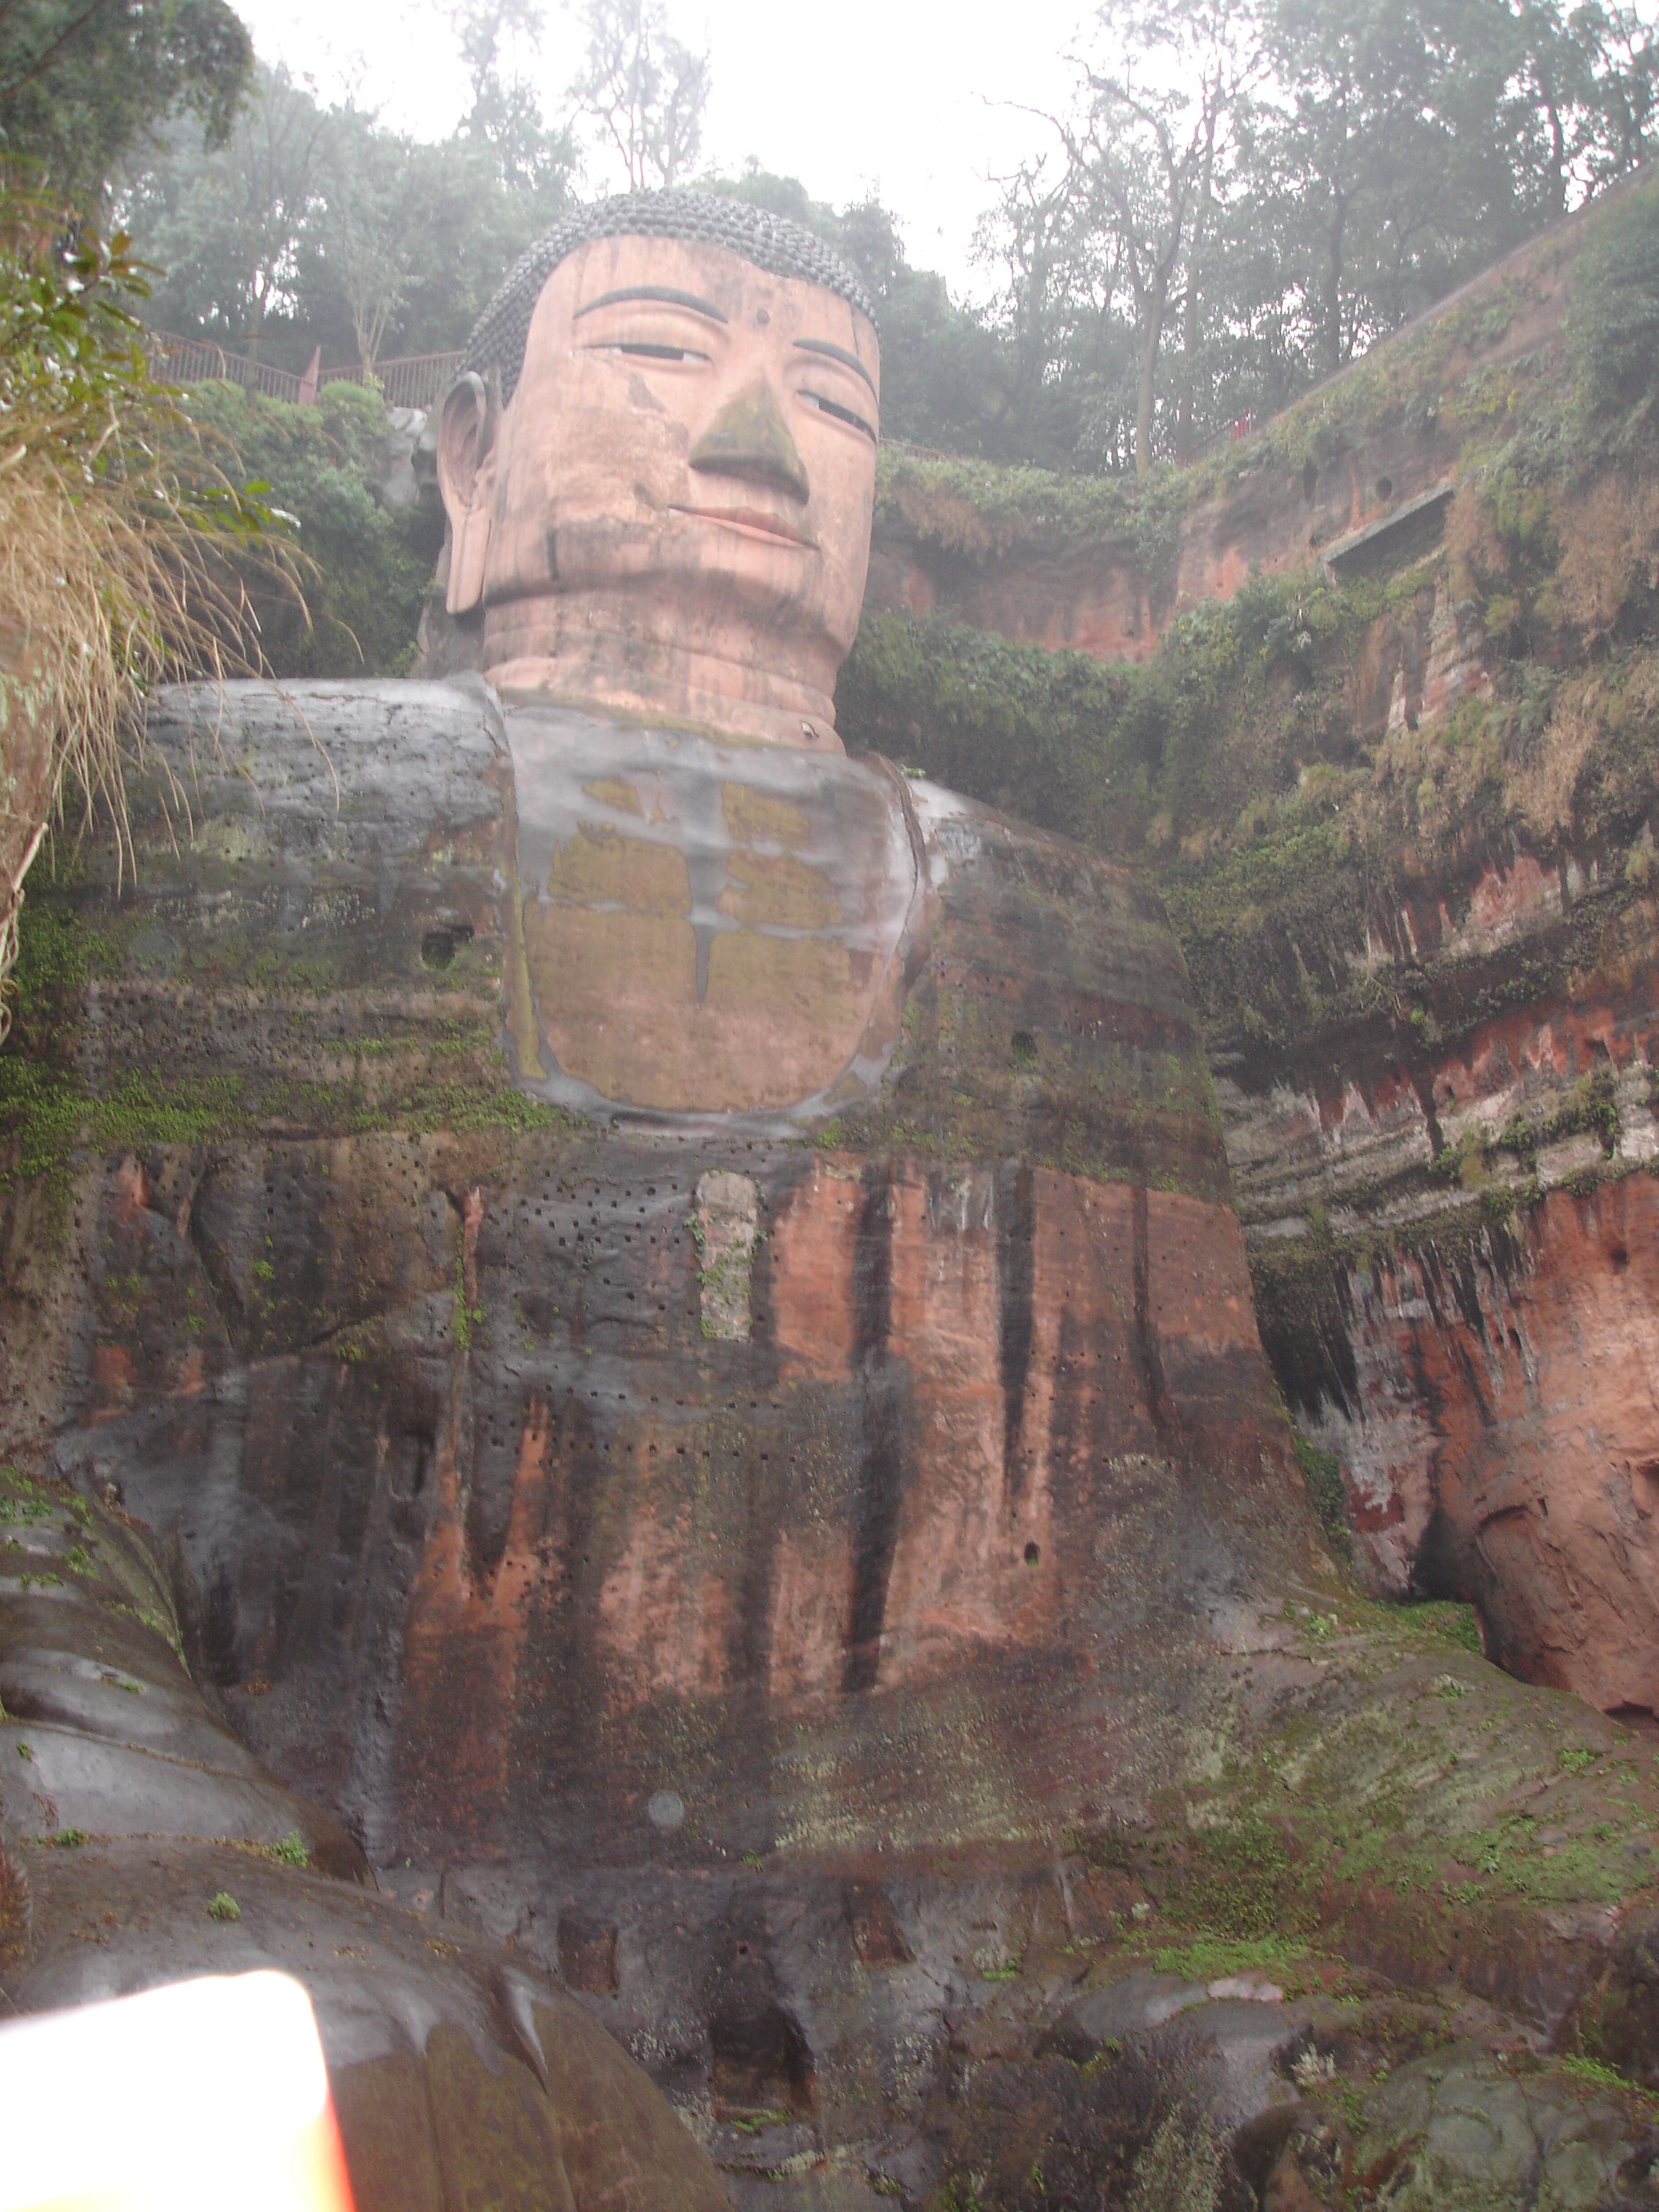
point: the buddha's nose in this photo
(749, 438)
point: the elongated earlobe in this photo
(466, 478)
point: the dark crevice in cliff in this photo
(1016, 1221)
(749, 1643)
(875, 1496)
(1146, 1334)
(1303, 1317)
(1449, 1564)
(1078, 1438)
(218, 1629)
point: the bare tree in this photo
(1153, 147)
(642, 90)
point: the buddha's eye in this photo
(642, 351)
(841, 414)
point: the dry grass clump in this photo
(122, 542)
(1542, 787)
(1609, 547)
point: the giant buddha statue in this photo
(660, 471)
(706, 1494)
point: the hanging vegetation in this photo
(124, 542)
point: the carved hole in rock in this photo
(1033, 1553)
(1620, 1259)
(760, 2064)
(219, 1630)
(587, 1953)
(1385, 487)
(438, 946)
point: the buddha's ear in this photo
(466, 478)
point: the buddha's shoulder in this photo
(348, 767)
(379, 773)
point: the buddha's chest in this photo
(703, 927)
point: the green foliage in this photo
(69, 1839)
(1239, 1882)
(974, 506)
(80, 86)
(1596, 2072)
(1444, 1618)
(1211, 1958)
(319, 465)
(117, 532)
(222, 1906)
(308, 225)
(1020, 727)
(292, 1850)
(1615, 302)
(1322, 1473)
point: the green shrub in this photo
(1615, 305)
(372, 564)
(1037, 732)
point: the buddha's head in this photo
(658, 464)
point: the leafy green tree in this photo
(1579, 107)
(361, 242)
(1414, 140)
(82, 81)
(314, 226)
(225, 222)
(1248, 193)
(369, 565)
(1052, 307)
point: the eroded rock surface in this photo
(1451, 1222)
(141, 1842)
(833, 1592)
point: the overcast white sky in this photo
(920, 103)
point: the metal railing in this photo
(413, 380)
(176, 360)
(418, 379)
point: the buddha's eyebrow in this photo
(837, 353)
(662, 292)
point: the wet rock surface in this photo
(140, 1843)
(1452, 1242)
(492, 1455)
(841, 1601)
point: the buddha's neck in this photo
(593, 648)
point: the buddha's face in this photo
(690, 448)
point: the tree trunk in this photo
(1155, 302)
(1190, 332)
(1188, 371)
(1332, 316)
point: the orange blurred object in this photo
(192, 2098)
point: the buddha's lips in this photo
(754, 519)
